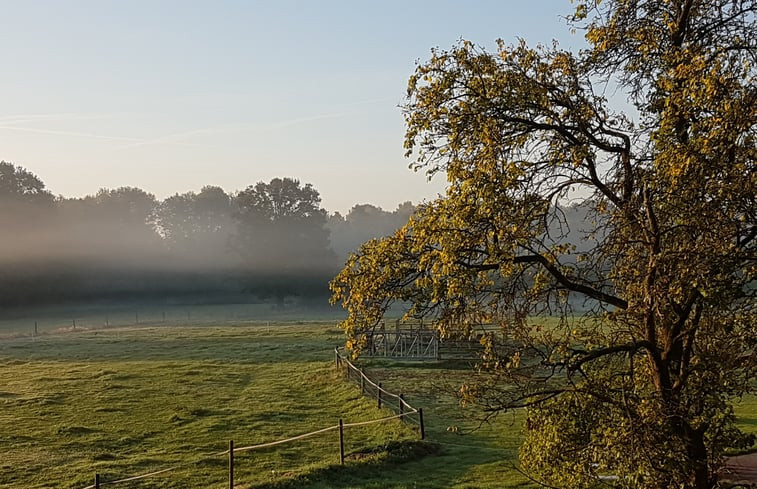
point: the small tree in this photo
(654, 291)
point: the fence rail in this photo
(48, 320)
(412, 340)
(403, 343)
(383, 397)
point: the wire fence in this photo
(385, 399)
(51, 320)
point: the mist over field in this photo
(271, 242)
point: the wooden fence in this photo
(417, 341)
(403, 344)
(384, 398)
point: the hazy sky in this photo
(169, 96)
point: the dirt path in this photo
(742, 468)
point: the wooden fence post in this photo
(378, 395)
(97, 481)
(420, 421)
(362, 381)
(336, 358)
(231, 464)
(402, 403)
(35, 328)
(341, 442)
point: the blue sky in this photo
(169, 96)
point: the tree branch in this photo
(587, 356)
(571, 285)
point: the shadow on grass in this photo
(748, 422)
(427, 364)
(361, 468)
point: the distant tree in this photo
(124, 205)
(26, 216)
(17, 183)
(643, 386)
(282, 235)
(364, 222)
(26, 208)
(196, 224)
(24, 201)
(114, 225)
(174, 219)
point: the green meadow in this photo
(127, 401)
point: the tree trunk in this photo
(698, 459)
(696, 452)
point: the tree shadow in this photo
(396, 464)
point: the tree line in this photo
(270, 241)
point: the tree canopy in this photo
(18, 182)
(654, 292)
(282, 235)
(362, 223)
(22, 194)
(196, 225)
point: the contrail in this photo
(257, 127)
(25, 118)
(134, 141)
(68, 133)
(10, 123)
(171, 138)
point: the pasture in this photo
(132, 400)
(49, 319)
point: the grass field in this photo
(48, 319)
(126, 401)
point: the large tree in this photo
(364, 222)
(641, 385)
(20, 183)
(24, 200)
(196, 226)
(282, 236)
(113, 226)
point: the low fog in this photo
(268, 242)
(271, 242)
